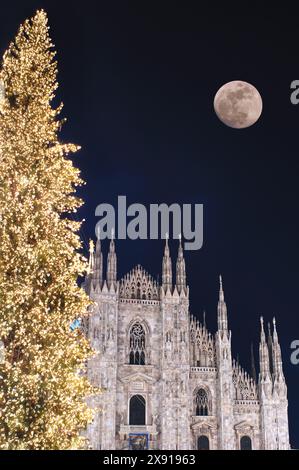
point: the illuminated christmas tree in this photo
(42, 390)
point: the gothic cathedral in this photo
(167, 382)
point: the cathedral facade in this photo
(167, 382)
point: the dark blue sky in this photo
(138, 87)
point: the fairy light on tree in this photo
(42, 396)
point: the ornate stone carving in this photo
(177, 356)
(244, 386)
(138, 284)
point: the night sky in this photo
(138, 86)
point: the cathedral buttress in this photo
(175, 358)
(224, 378)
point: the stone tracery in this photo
(138, 284)
(137, 344)
(202, 345)
(185, 373)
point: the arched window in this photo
(203, 443)
(245, 443)
(201, 403)
(137, 410)
(137, 344)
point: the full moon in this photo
(238, 104)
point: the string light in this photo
(42, 395)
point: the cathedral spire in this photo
(111, 263)
(253, 369)
(270, 348)
(88, 278)
(166, 267)
(276, 356)
(222, 310)
(180, 268)
(91, 257)
(98, 264)
(264, 355)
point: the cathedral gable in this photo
(138, 284)
(138, 377)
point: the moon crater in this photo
(238, 104)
